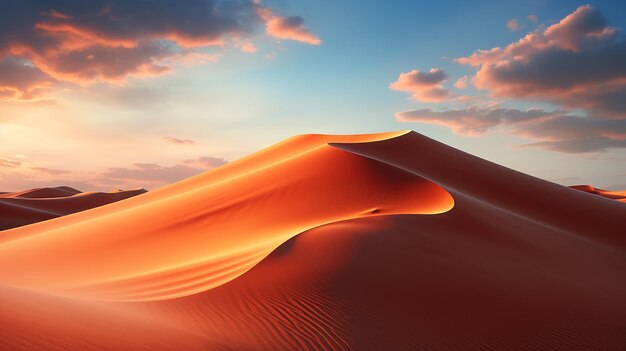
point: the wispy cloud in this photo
(207, 162)
(9, 163)
(18, 175)
(178, 141)
(513, 25)
(49, 171)
(554, 130)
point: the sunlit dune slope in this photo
(35, 205)
(202, 232)
(614, 195)
(509, 262)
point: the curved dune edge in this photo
(200, 233)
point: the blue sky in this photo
(100, 134)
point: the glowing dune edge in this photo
(615, 195)
(198, 234)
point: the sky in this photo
(109, 94)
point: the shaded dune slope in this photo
(35, 205)
(59, 191)
(513, 263)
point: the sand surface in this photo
(368, 242)
(619, 195)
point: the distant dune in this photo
(615, 195)
(367, 242)
(35, 205)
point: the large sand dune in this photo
(370, 242)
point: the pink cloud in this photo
(462, 83)
(9, 163)
(513, 25)
(155, 174)
(110, 41)
(577, 62)
(19, 175)
(49, 171)
(248, 47)
(178, 141)
(207, 162)
(20, 81)
(289, 28)
(424, 86)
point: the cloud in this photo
(18, 181)
(155, 173)
(151, 173)
(9, 163)
(555, 130)
(20, 81)
(173, 140)
(290, 28)
(473, 120)
(462, 83)
(49, 171)
(17, 175)
(577, 65)
(533, 18)
(110, 40)
(579, 62)
(207, 162)
(244, 45)
(513, 25)
(424, 86)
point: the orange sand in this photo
(615, 195)
(405, 244)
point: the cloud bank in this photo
(19, 175)
(43, 42)
(577, 65)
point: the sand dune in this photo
(387, 241)
(614, 195)
(224, 223)
(35, 205)
(59, 191)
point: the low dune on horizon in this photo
(40, 204)
(389, 241)
(618, 195)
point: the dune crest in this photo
(205, 231)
